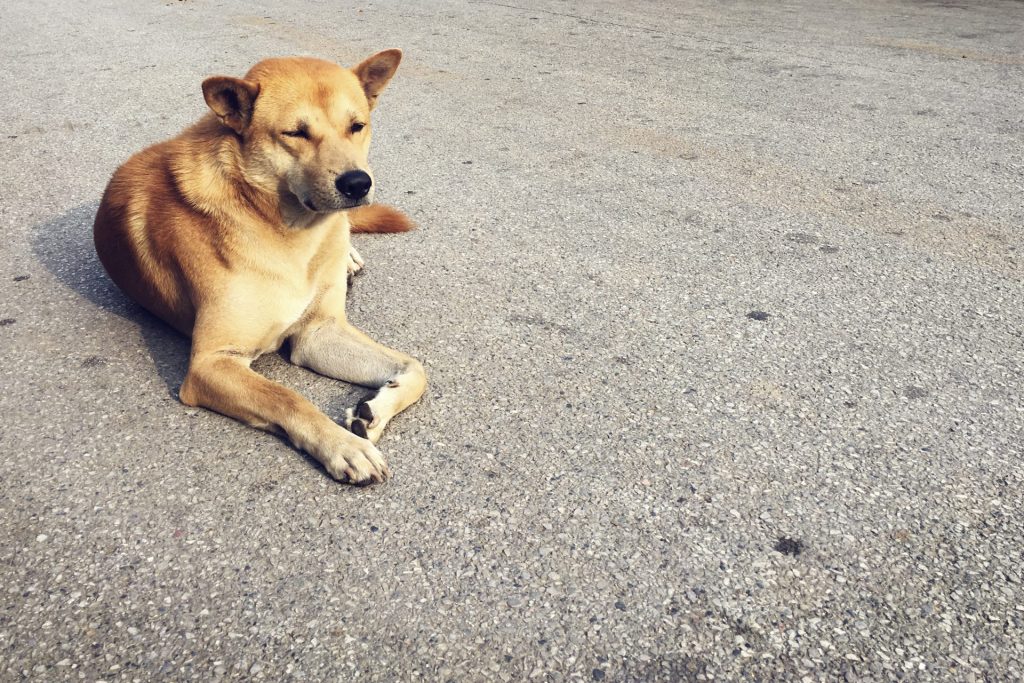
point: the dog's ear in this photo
(375, 71)
(231, 99)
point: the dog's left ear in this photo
(374, 72)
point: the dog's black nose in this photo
(354, 184)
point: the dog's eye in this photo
(356, 127)
(297, 133)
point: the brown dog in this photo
(236, 232)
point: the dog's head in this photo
(304, 126)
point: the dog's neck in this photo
(226, 183)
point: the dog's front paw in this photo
(355, 262)
(355, 460)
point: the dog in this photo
(236, 233)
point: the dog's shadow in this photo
(64, 247)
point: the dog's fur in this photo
(235, 233)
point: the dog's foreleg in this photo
(339, 350)
(224, 382)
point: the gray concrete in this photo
(618, 472)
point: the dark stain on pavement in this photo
(789, 546)
(540, 322)
(913, 392)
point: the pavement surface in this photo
(722, 310)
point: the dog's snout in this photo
(354, 184)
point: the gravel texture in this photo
(722, 310)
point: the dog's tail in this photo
(379, 218)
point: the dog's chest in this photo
(297, 283)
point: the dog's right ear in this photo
(232, 100)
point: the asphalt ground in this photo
(722, 310)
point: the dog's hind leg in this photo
(339, 350)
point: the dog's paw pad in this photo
(365, 412)
(358, 427)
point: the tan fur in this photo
(235, 233)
